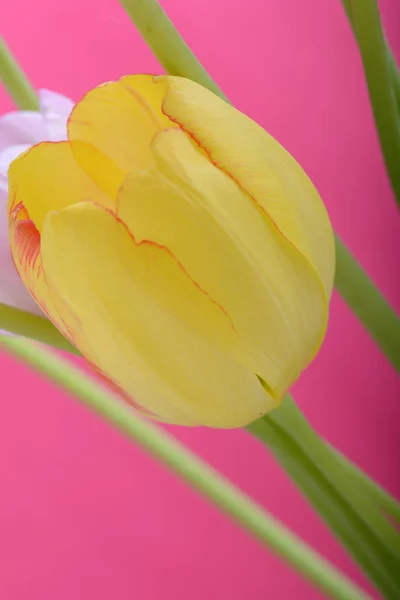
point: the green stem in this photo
(31, 326)
(384, 501)
(206, 480)
(166, 43)
(382, 79)
(393, 68)
(367, 303)
(352, 506)
(395, 76)
(15, 80)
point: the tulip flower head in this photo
(20, 130)
(179, 247)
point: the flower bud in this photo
(179, 247)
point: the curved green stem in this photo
(354, 507)
(382, 79)
(193, 470)
(31, 326)
(161, 36)
(15, 80)
(393, 68)
(395, 76)
(367, 303)
(387, 504)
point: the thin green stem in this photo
(353, 506)
(367, 303)
(15, 80)
(395, 76)
(161, 36)
(193, 470)
(384, 501)
(382, 79)
(31, 326)
(394, 71)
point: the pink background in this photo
(83, 512)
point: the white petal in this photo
(25, 127)
(3, 215)
(6, 157)
(56, 129)
(53, 104)
(56, 109)
(12, 290)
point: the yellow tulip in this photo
(179, 247)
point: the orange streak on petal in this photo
(118, 390)
(25, 247)
(228, 174)
(172, 255)
(147, 109)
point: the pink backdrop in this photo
(84, 513)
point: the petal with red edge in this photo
(261, 167)
(120, 119)
(47, 178)
(25, 250)
(138, 311)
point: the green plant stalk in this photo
(32, 326)
(393, 68)
(351, 507)
(165, 42)
(361, 294)
(15, 80)
(395, 75)
(382, 79)
(367, 303)
(192, 469)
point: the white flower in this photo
(19, 131)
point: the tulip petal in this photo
(230, 250)
(25, 249)
(120, 119)
(260, 166)
(22, 127)
(48, 178)
(137, 311)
